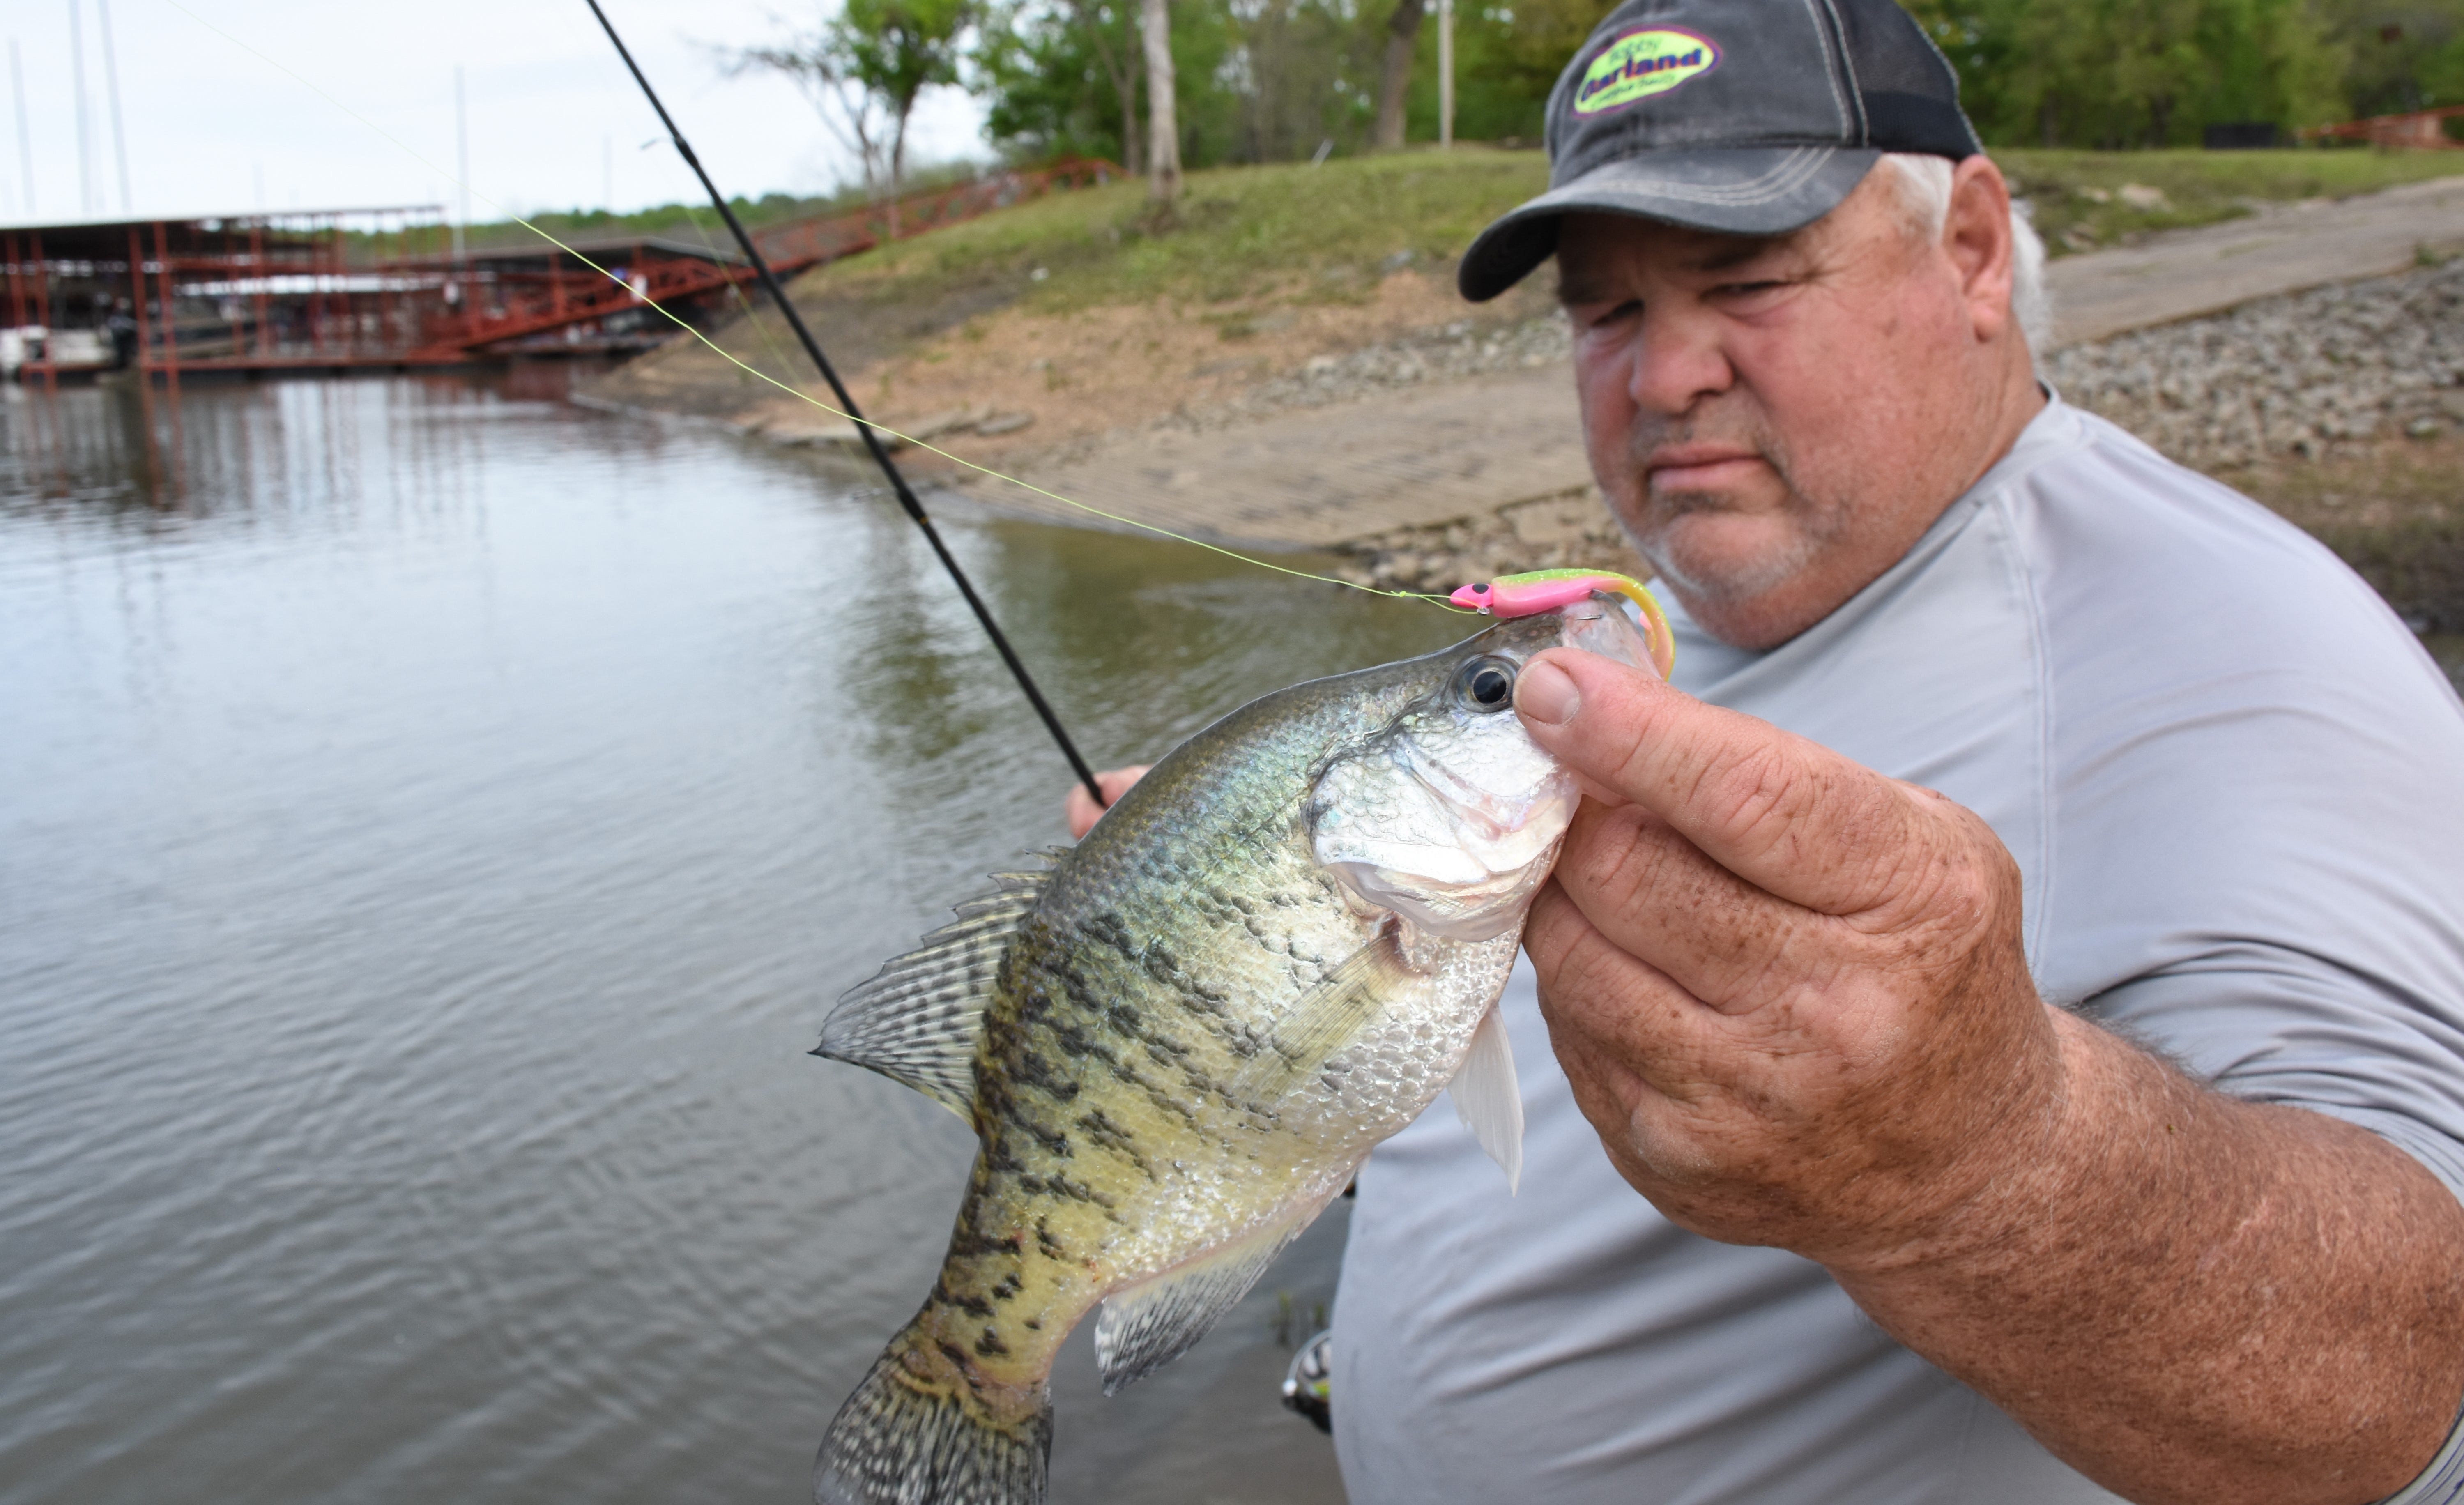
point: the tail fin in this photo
(918, 1432)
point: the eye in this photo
(1485, 684)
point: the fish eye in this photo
(1485, 684)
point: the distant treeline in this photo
(1274, 81)
(2156, 72)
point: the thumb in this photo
(1784, 813)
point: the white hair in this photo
(1923, 183)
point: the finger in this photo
(1785, 814)
(1653, 894)
(1626, 1033)
(1079, 807)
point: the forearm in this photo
(2191, 1297)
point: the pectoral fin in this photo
(1489, 1100)
(1324, 1020)
(919, 1019)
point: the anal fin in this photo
(1489, 1099)
(919, 1018)
(1142, 1329)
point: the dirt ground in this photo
(973, 360)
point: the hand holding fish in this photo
(1176, 1040)
(1080, 810)
(1790, 992)
(1791, 995)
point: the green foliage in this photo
(865, 67)
(2401, 55)
(1261, 80)
(2136, 73)
(1063, 79)
(900, 48)
(1507, 59)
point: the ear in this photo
(1976, 238)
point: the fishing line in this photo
(871, 430)
(669, 315)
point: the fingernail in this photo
(1546, 694)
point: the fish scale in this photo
(1177, 1041)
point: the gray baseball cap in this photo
(1748, 117)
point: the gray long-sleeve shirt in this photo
(2235, 786)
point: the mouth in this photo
(1700, 467)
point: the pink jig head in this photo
(1548, 590)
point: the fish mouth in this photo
(1452, 819)
(1457, 857)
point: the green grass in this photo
(2200, 188)
(1294, 233)
(1286, 233)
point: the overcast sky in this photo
(553, 115)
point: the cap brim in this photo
(1735, 191)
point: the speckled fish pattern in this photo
(1156, 1117)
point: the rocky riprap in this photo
(2285, 377)
(1449, 352)
(1551, 533)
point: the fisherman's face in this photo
(1775, 421)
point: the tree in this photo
(1164, 132)
(863, 70)
(2135, 73)
(1395, 77)
(2404, 55)
(1062, 76)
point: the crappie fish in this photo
(1179, 1040)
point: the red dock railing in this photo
(337, 289)
(2414, 129)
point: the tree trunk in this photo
(1402, 39)
(898, 163)
(1123, 70)
(1164, 132)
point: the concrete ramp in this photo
(1319, 476)
(2186, 274)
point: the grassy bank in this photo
(2084, 199)
(1246, 239)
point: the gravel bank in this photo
(1450, 352)
(2291, 376)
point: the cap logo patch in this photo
(1641, 64)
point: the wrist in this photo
(2008, 1168)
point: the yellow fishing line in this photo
(794, 391)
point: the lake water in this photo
(434, 819)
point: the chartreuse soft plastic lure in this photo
(1548, 590)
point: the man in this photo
(2082, 1117)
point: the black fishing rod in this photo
(907, 500)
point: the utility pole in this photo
(1446, 74)
(111, 85)
(461, 164)
(76, 78)
(1164, 132)
(25, 141)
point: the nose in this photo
(1678, 361)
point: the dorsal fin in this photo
(918, 1019)
(1146, 1327)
